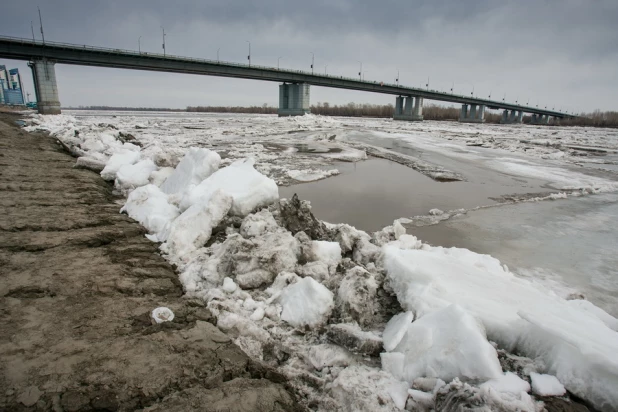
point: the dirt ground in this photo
(77, 283)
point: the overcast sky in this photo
(559, 53)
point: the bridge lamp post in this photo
(218, 54)
(139, 44)
(278, 58)
(41, 21)
(32, 28)
(397, 79)
(427, 84)
(249, 56)
(472, 94)
(452, 87)
(162, 29)
(325, 67)
(360, 71)
(312, 61)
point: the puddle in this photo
(20, 123)
(570, 241)
(371, 194)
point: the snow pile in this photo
(149, 206)
(445, 344)
(248, 188)
(131, 176)
(509, 382)
(546, 385)
(359, 388)
(577, 346)
(194, 167)
(117, 160)
(306, 303)
(193, 227)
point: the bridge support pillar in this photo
(408, 108)
(512, 116)
(539, 119)
(472, 114)
(294, 99)
(45, 87)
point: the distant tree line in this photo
(264, 109)
(430, 112)
(594, 119)
(120, 109)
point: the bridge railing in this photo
(75, 47)
(109, 50)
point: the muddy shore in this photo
(77, 283)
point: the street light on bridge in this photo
(397, 79)
(249, 56)
(312, 61)
(218, 54)
(360, 71)
(325, 67)
(278, 58)
(163, 40)
(139, 44)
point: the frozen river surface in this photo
(542, 200)
(569, 244)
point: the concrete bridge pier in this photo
(294, 99)
(45, 87)
(408, 108)
(512, 116)
(539, 119)
(473, 114)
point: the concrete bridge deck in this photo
(25, 49)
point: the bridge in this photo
(294, 90)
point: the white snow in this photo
(306, 303)
(509, 382)
(329, 252)
(546, 385)
(248, 188)
(590, 307)
(229, 286)
(575, 345)
(149, 206)
(360, 388)
(117, 160)
(446, 344)
(395, 329)
(195, 166)
(193, 227)
(129, 177)
(257, 224)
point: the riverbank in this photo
(78, 283)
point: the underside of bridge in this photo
(45, 86)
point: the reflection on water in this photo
(371, 194)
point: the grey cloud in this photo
(545, 50)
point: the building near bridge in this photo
(11, 90)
